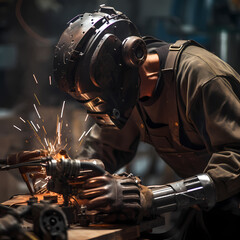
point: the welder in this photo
(178, 97)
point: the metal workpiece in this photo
(185, 193)
(48, 221)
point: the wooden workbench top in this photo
(112, 231)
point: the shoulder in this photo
(201, 62)
(197, 67)
(199, 73)
(197, 62)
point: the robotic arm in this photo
(124, 192)
(185, 193)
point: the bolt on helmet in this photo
(96, 61)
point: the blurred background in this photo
(29, 31)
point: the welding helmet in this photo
(96, 61)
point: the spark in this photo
(35, 78)
(51, 148)
(65, 146)
(37, 99)
(22, 120)
(44, 130)
(59, 133)
(34, 126)
(55, 142)
(89, 131)
(62, 109)
(80, 143)
(46, 142)
(37, 111)
(39, 129)
(50, 80)
(82, 136)
(86, 118)
(19, 129)
(57, 124)
(35, 132)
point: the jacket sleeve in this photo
(115, 148)
(215, 113)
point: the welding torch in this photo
(67, 175)
(37, 162)
(67, 167)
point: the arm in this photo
(215, 113)
(185, 193)
(123, 197)
(115, 148)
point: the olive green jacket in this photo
(194, 128)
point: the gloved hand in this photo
(121, 197)
(26, 156)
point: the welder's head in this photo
(96, 61)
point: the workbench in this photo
(100, 231)
(112, 231)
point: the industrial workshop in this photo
(119, 119)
